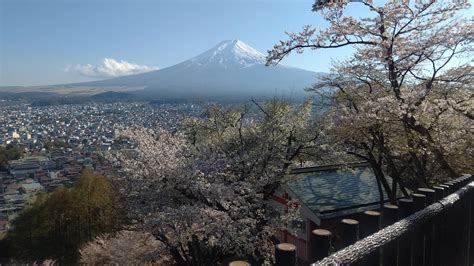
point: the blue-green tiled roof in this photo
(334, 192)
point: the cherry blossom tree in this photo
(127, 247)
(205, 191)
(403, 101)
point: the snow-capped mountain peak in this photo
(231, 53)
(231, 69)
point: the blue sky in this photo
(40, 39)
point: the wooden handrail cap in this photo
(404, 200)
(426, 190)
(322, 232)
(286, 247)
(349, 221)
(239, 263)
(372, 213)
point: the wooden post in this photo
(350, 232)
(439, 193)
(418, 244)
(466, 222)
(471, 237)
(439, 228)
(285, 254)
(406, 207)
(320, 244)
(469, 222)
(370, 223)
(389, 214)
(452, 186)
(465, 211)
(456, 228)
(389, 251)
(419, 201)
(448, 232)
(404, 244)
(429, 228)
(446, 190)
(239, 263)
(458, 184)
(429, 193)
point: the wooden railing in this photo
(434, 227)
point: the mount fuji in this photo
(231, 68)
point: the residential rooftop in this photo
(333, 191)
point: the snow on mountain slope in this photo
(229, 54)
(229, 68)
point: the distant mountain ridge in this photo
(231, 68)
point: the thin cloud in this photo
(109, 68)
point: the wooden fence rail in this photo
(435, 227)
(448, 218)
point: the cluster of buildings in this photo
(60, 141)
(90, 124)
(24, 178)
